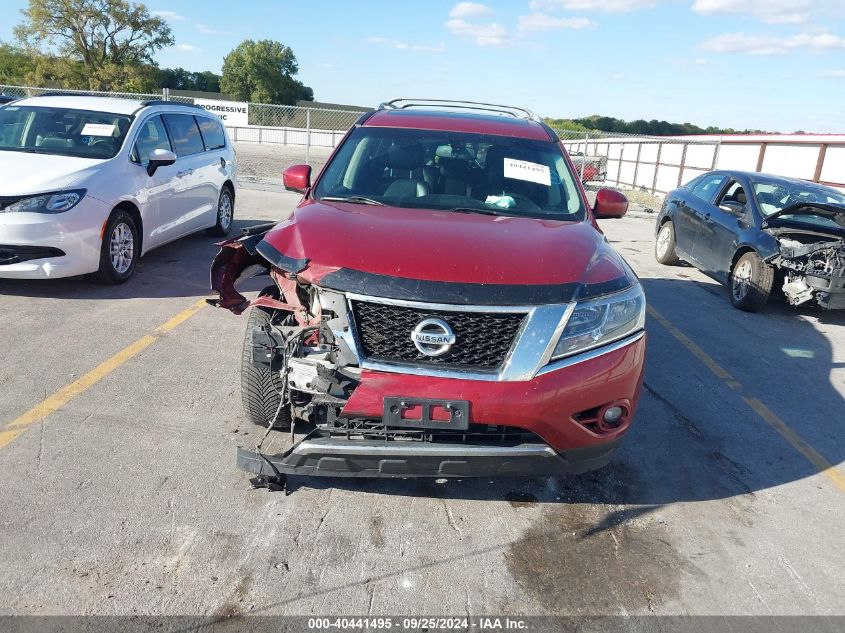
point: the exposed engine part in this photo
(797, 291)
(814, 270)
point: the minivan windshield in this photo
(453, 171)
(62, 131)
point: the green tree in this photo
(263, 72)
(113, 40)
(15, 64)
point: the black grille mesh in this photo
(481, 339)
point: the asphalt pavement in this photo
(120, 414)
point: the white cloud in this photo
(542, 22)
(605, 6)
(168, 15)
(469, 10)
(701, 61)
(771, 11)
(617, 77)
(403, 46)
(834, 74)
(186, 47)
(490, 34)
(771, 45)
(206, 30)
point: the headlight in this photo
(601, 321)
(48, 202)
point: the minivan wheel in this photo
(664, 246)
(225, 214)
(751, 282)
(261, 387)
(119, 250)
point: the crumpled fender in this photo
(235, 256)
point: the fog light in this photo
(612, 415)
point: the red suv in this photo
(443, 304)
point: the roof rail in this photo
(405, 103)
(162, 102)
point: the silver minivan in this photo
(92, 183)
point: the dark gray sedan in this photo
(755, 233)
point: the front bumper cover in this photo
(324, 456)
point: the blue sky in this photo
(771, 64)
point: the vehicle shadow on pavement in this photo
(695, 438)
(178, 269)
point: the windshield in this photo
(453, 171)
(62, 131)
(774, 196)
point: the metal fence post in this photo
(637, 165)
(656, 168)
(584, 155)
(683, 164)
(165, 94)
(308, 136)
(716, 151)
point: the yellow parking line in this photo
(770, 417)
(64, 395)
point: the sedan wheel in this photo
(664, 246)
(751, 282)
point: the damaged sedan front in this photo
(757, 234)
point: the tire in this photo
(120, 249)
(260, 388)
(225, 213)
(664, 245)
(751, 282)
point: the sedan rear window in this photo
(62, 131)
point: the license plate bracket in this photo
(396, 407)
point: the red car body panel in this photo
(446, 246)
(545, 405)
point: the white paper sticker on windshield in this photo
(532, 172)
(98, 129)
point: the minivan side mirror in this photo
(610, 204)
(160, 158)
(297, 178)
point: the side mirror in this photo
(297, 178)
(732, 207)
(610, 204)
(160, 158)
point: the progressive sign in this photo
(231, 113)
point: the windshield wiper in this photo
(481, 211)
(353, 200)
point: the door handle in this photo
(186, 172)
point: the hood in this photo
(26, 173)
(445, 246)
(833, 212)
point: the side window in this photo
(184, 134)
(734, 193)
(212, 133)
(151, 136)
(707, 186)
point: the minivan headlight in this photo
(600, 321)
(57, 202)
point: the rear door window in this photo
(212, 133)
(708, 185)
(184, 134)
(151, 136)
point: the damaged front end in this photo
(307, 342)
(812, 260)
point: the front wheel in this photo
(261, 386)
(119, 250)
(225, 213)
(664, 246)
(751, 282)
